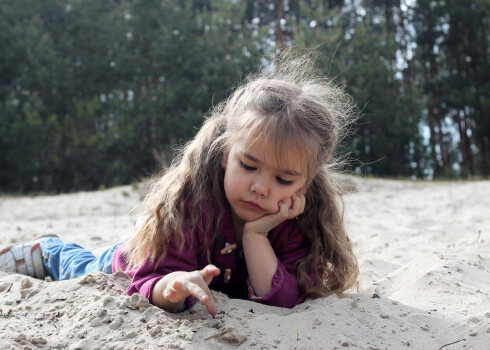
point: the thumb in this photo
(209, 272)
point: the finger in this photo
(299, 202)
(284, 209)
(284, 203)
(204, 295)
(177, 285)
(175, 292)
(298, 205)
(169, 293)
(209, 272)
(210, 305)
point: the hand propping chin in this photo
(288, 209)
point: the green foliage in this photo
(95, 93)
(454, 75)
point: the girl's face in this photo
(254, 181)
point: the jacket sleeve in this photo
(290, 246)
(146, 276)
(149, 273)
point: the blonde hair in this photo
(295, 106)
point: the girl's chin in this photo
(247, 217)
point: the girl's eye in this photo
(282, 181)
(246, 167)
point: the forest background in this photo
(96, 93)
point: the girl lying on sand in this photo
(249, 206)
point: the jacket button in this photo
(227, 275)
(229, 248)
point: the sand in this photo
(423, 249)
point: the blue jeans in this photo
(63, 261)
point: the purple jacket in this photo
(288, 242)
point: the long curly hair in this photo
(293, 105)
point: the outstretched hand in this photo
(288, 209)
(183, 284)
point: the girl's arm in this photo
(261, 262)
(260, 257)
(169, 282)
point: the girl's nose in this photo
(260, 188)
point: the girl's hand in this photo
(288, 209)
(183, 284)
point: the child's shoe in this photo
(24, 258)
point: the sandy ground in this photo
(423, 249)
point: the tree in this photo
(452, 50)
(95, 93)
(361, 43)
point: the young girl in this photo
(249, 207)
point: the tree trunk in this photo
(485, 132)
(436, 167)
(279, 15)
(440, 135)
(434, 96)
(485, 155)
(469, 153)
(408, 72)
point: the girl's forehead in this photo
(288, 144)
(280, 154)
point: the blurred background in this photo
(96, 93)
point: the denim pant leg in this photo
(64, 261)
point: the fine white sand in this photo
(423, 249)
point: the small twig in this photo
(451, 343)
(366, 323)
(478, 237)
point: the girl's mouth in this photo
(253, 205)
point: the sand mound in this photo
(423, 249)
